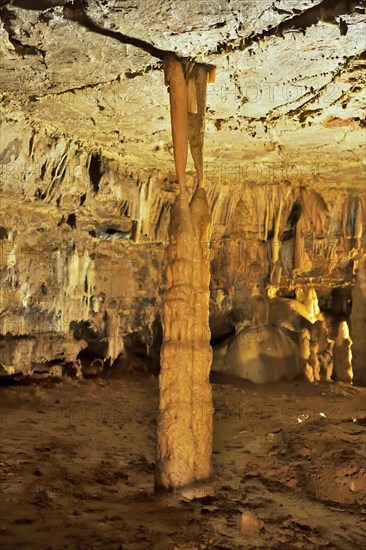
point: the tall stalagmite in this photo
(202, 409)
(358, 323)
(185, 407)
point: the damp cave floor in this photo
(77, 467)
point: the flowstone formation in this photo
(185, 407)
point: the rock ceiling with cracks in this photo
(287, 105)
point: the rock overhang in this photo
(287, 102)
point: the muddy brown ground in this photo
(77, 463)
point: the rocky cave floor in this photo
(77, 461)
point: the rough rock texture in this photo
(78, 461)
(289, 85)
(185, 405)
(67, 260)
(358, 325)
(263, 355)
(342, 355)
(87, 179)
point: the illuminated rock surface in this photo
(87, 190)
(185, 405)
(87, 180)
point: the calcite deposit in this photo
(358, 324)
(134, 275)
(87, 181)
(185, 406)
(342, 355)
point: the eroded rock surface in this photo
(87, 180)
(185, 405)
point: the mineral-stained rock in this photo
(314, 350)
(176, 457)
(85, 159)
(185, 418)
(108, 261)
(185, 405)
(202, 352)
(249, 524)
(342, 355)
(71, 287)
(263, 354)
(358, 324)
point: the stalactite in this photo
(345, 219)
(333, 222)
(197, 86)
(185, 407)
(275, 275)
(258, 215)
(178, 95)
(316, 211)
(358, 225)
(266, 214)
(299, 248)
(272, 208)
(275, 242)
(230, 210)
(113, 335)
(352, 216)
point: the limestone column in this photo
(185, 406)
(202, 408)
(358, 324)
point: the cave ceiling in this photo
(288, 103)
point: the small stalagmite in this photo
(342, 355)
(185, 406)
(311, 302)
(325, 351)
(314, 350)
(306, 368)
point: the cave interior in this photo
(182, 274)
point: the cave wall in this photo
(83, 235)
(73, 275)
